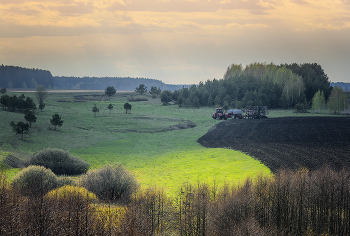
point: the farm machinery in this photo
(252, 112)
(219, 114)
(256, 112)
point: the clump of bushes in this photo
(60, 162)
(69, 192)
(137, 98)
(35, 181)
(110, 183)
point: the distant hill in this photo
(344, 86)
(119, 83)
(19, 77)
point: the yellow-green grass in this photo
(139, 141)
(173, 168)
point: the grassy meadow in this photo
(147, 140)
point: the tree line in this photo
(289, 203)
(19, 77)
(257, 84)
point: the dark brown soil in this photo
(288, 142)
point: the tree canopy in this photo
(56, 120)
(318, 101)
(257, 84)
(127, 106)
(30, 117)
(141, 89)
(338, 100)
(20, 128)
(41, 93)
(110, 91)
(95, 109)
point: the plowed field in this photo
(288, 142)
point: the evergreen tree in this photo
(3, 90)
(141, 89)
(41, 106)
(110, 91)
(20, 128)
(95, 109)
(56, 120)
(127, 106)
(30, 117)
(110, 107)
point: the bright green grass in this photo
(137, 140)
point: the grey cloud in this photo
(74, 9)
(21, 31)
(23, 1)
(187, 6)
(28, 12)
(300, 2)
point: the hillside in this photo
(288, 142)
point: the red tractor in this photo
(219, 113)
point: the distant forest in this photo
(258, 84)
(18, 77)
(271, 85)
(344, 86)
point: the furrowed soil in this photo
(287, 142)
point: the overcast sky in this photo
(176, 41)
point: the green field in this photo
(147, 141)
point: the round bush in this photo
(70, 192)
(65, 180)
(60, 162)
(110, 183)
(35, 181)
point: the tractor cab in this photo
(219, 113)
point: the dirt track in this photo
(288, 142)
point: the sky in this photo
(176, 41)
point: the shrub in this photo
(60, 162)
(68, 192)
(110, 183)
(65, 180)
(137, 98)
(35, 180)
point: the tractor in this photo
(219, 113)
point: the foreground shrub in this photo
(111, 183)
(60, 162)
(68, 192)
(35, 181)
(65, 180)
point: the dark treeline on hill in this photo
(18, 77)
(257, 84)
(343, 85)
(289, 203)
(119, 83)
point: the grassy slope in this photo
(137, 140)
